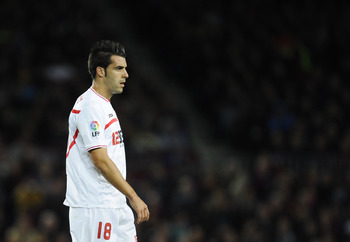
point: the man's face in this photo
(116, 75)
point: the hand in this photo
(140, 208)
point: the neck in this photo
(102, 90)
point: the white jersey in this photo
(93, 124)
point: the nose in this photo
(126, 75)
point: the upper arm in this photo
(108, 169)
(90, 123)
(99, 157)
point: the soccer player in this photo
(95, 159)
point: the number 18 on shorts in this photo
(106, 231)
(98, 224)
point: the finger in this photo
(148, 215)
(143, 217)
(140, 217)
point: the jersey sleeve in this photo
(90, 124)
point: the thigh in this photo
(93, 224)
(126, 229)
(78, 224)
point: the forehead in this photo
(117, 60)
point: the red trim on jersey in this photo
(96, 147)
(110, 123)
(73, 142)
(75, 111)
(99, 95)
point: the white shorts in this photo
(102, 224)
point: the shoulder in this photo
(90, 100)
(92, 104)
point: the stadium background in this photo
(235, 115)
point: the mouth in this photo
(122, 84)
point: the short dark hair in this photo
(101, 52)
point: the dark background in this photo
(235, 115)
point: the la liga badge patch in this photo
(94, 125)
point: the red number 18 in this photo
(107, 231)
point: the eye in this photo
(119, 67)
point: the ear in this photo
(100, 71)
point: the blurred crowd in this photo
(270, 74)
(269, 80)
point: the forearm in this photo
(112, 174)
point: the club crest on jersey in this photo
(94, 127)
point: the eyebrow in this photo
(119, 67)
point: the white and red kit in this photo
(93, 124)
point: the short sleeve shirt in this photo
(93, 124)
